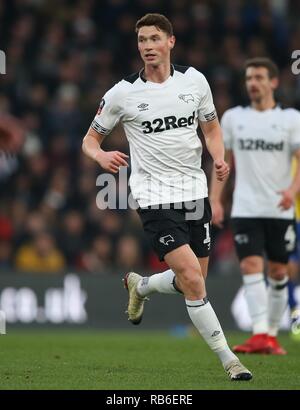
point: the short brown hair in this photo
(263, 62)
(154, 19)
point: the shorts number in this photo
(207, 239)
(290, 238)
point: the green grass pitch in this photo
(133, 360)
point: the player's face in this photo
(154, 45)
(258, 83)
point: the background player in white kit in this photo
(160, 108)
(262, 137)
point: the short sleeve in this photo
(295, 131)
(206, 111)
(227, 130)
(110, 110)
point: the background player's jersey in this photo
(160, 123)
(263, 143)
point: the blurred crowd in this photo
(62, 56)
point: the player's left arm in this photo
(288, 195)
(209, 123)
(214, 141)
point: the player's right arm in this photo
(109, 113)
(108, 160)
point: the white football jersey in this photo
(160, 121)
(263, 143)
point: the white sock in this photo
(278, 299)
(257, 300)
(205, 320)
(163, 282)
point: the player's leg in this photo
(252, 268)
(277, 294)
(183, 262)
(189, 277)
(278, 253)
(172, 234)
(249, 244)
(171, 244)
(277, 302)
(165, 282)
(166, 230)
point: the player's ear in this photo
(274, 82)
(172, 41)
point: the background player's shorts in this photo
(256, 236)
(295, 256)
(169, 229)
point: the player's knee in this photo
(278, 272)
(249, 266)
(190, 278)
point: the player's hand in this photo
(217, 213)
(287, 199)
(111, 160)
(222, 169)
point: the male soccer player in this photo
(262, 137)
(159, 108)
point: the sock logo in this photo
(216, 333)
(145, 281)
(166, 239)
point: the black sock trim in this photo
(205, 300)
(175, 286)
(279, 287)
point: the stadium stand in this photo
(61, 58)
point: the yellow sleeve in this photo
(297, 200)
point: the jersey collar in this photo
(276, 105)
(141, 73)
